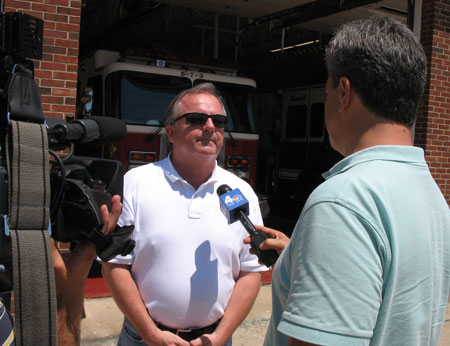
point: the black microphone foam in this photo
(112, 130)
(224, 188)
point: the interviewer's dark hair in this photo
(204, 88)
(385, 63)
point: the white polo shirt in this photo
(187, 257)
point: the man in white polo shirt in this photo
(190, 276)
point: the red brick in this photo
(43, 8)
(62, 108)
(45, 107)
(45, 91)
(69, 11)
(72, 51)
(52, 83)
(66, 59)
(48, 41)
(59, 2)
(54, 50)
(65, 75)
(67, 27)
(49, 25)
(70, 101)
(75, 4)
(55, 33)
(75, 19)
(71, 84)
(52, 99)
(66, 43)
(22, 5)
(56, 17)
(45, 65)
(43, 74)
(64, 92)
(74, 36)
(72, 68)
(47, 57)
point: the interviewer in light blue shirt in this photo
(369, 258)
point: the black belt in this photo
(190, 334)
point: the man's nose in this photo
(209, 125)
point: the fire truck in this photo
(305, 151)
(138, 90)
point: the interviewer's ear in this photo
(344, 93)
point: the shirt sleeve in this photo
(336, 277)
(126, 217)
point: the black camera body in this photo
(89, 183)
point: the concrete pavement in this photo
(103, 321)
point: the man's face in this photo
(190, 139)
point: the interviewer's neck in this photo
(384, 133)
(361, 129)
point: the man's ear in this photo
(344, 93)
(170, 132)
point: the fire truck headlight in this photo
(239, 165)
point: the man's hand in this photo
(277, 240)
(110, 218)
(166, 338)
(71, 271)
(205, 340)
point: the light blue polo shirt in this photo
(369, 259)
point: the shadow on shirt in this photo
(204, 284)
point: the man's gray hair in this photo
(385, 63)
(204, 88)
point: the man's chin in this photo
(208, 150)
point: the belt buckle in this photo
(183, 331)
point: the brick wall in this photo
(433, 123)
(56, 73)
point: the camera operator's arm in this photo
(277, 241)
(71, 271)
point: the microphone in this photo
(235, 207)
(96, 130)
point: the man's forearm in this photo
(125, 292)
(71, 271)
(241, 301)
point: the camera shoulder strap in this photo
(29, 210)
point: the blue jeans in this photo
(130, 337)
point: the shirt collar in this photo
(398, 153)
(172, 174)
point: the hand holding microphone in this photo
(235, 207)
(276, 240)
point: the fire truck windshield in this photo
(140, 98)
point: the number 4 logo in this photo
(228, 200)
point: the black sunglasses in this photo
(219, 120)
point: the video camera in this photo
(78, 185)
